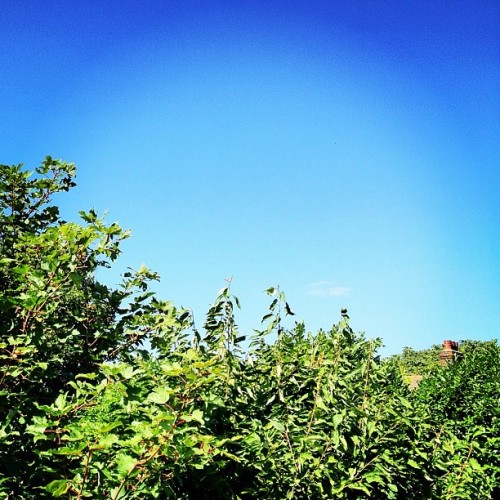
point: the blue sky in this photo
(347, 151)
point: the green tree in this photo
(56, 319)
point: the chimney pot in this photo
(449, 353)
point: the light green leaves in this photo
(58, 487)
(125, 464)
(160, 395)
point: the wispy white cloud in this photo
(326, 289)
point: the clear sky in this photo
(347, 151)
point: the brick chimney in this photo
(450, 352)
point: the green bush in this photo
(463, 404)
(87, 411)
(413, 362)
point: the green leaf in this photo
(58, 487)
(125, 464)
(71, 450)
(87, 375)
(197, 415)
(104, 429)
(374, 477)
(337, 419)
(276, 424)
(360, 486)
(60, 402)
(127, 372)
(160, 395)
(253, 442)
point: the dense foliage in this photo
(421, 362)
(86, 411)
